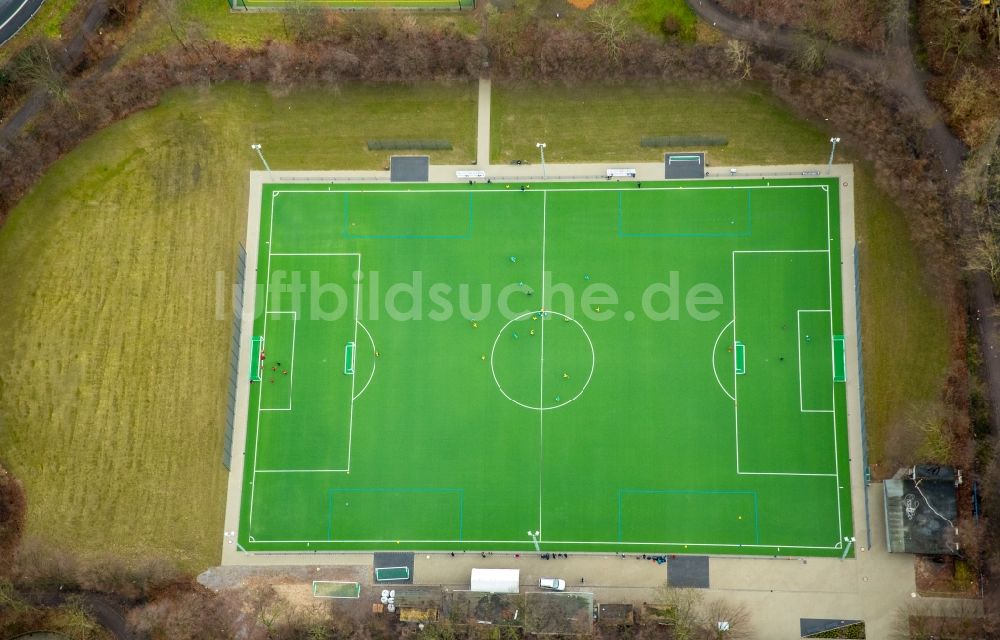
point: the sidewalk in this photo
(483, 125)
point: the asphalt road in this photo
(14, 14)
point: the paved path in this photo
(14, 14)
(68, 58)
(483, 125)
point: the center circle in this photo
(542, 360)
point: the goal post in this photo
(256, 348)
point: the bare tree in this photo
(982, 253)
(739, 54)
(612, 27)
(725, 620)
(39, 67)
(956, 619)
(681, 609)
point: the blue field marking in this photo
(756, 509)
(403, 236)
(332, 491)
(728, 234)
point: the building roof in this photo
(920, 512)
(496, 580)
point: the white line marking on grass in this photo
(780, 473)
(372, 375)
(833, 384)
(782, 251)
(715, 347)
(260, 392)
(301, 470)
(291, 365)
(317, 254)
(393, 541)
(798, 333)
(357, 311)
(541, 375)
(611, 188)
(736, 377)
(496, 379)
(736, 394)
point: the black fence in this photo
(234, 356)
(684, 141)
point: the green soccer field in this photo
(617, 368)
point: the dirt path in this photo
(897, 71)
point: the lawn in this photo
(599, 123)
(904, 326)
(113, 360)
(668, 17)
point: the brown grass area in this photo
(113, 360)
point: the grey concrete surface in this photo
(483, 124)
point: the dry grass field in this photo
(113, 358)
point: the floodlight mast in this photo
(534, 538)
(256, 147)
(541, 150)
(847, 547)
(833, 148)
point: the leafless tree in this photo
(725, 620)
(611, 26)
(739, 54)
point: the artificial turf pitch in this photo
(616, 420)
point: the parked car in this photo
(556, 584)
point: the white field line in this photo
(541, 375)
(798, 328)
(547, 189)
(736, 377)
(715, 347)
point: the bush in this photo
(672, 18)
(671, 25)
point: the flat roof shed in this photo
(496, 580)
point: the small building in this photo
(921, 507)
(496, 580)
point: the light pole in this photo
(847, 547)
(833, 147)
(534, 538)
(541, 150)
(256, 147)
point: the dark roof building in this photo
(921, 507)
